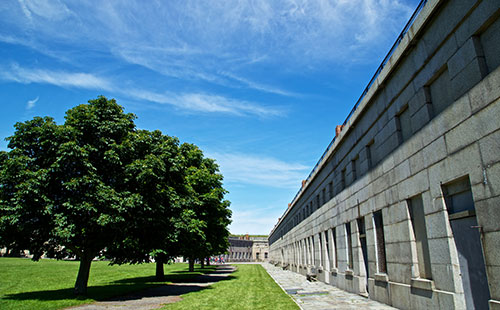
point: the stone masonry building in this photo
(404, 206)
(247, 249)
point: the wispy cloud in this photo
(31, 103)
(19, 74)
(254, 219)
(207, 103)
(259, 86)
(196, 102)
(259, 170)
(215, 42)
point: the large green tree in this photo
(61, 186)
(155, 173)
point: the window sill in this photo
(381, 277)
(423, 284)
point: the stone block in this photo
(437, 225)
(401, 172)
(434, 152)
(421, 117)
(490, 40)
(400, 295)
(469, 51)
(446, 277)
(493, 280)
(451, 301)
(437, 174)
(463, 163)
(488, 214)
(391, 195)
(491, 248)
(494, 304)
(381, 292)
(486, 92)
(448, 18)
(490, 148)
(418, 101)
(421, 299)
(416, 162)
(472, 24)
(399, 252)
(388, 146)
(440, 251)
(400, 273)
(468, 77)
(414, 185)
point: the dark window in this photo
(380, 239)
(353, 167)
(458, 196)
(335, 252)
(350, 259)
(369, 154)
(403, 125)
(440, 92)
(417, 217)
(342, 179)
(327, 249)
(330, 190)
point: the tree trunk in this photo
(202, 263)
(83, 275)
(191, 265)
(160, 274)
(208, 261)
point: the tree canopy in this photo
(96, 185)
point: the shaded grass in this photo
(250, 287)
(48, 284)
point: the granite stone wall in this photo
(376, 217)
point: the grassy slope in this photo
(48, 284)
(250, 287)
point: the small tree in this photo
(204, 227)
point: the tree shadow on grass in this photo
(128, 289)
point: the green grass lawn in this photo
(250, 287)
(48, 284)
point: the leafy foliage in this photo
(98, 186)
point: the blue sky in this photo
(258, 85)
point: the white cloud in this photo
(59, 78)
(196, 102)
(253, 219)
(259, 170)
(31, 103)
(49, 9)
(216, 42)
(207, 103)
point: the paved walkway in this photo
(319, 295)
(157, 297)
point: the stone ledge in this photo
(381, 277)
(494, 304)
(349, 272)
(423, 284)
(334, 271)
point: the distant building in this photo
(247, 249)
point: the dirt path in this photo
(155, 298)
